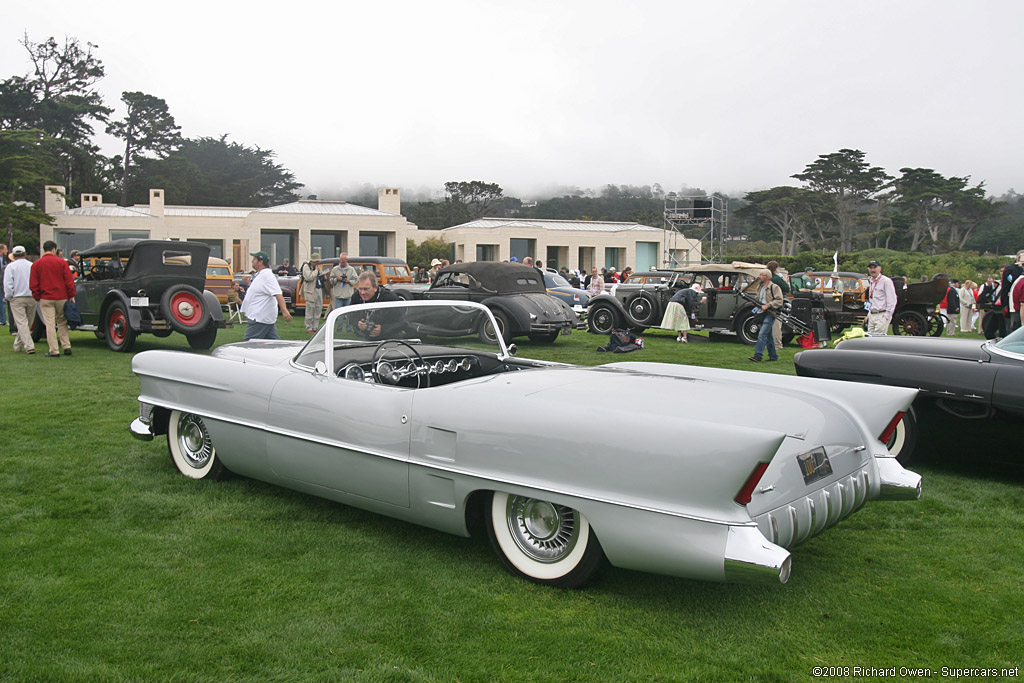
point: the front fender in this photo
(608, 298)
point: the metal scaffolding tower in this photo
(700, 215)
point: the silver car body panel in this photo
(656, 478)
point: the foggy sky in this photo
(727, 96)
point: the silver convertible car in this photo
(399, 408)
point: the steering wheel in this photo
(385, 373)
(101, 271)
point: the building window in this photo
(373, 244)
(327, 243)
(74, 239)
(521, 248)
(279, 244)
(129, 234)
(613, 257)
(647, 255)
(216, 246)
(486, 252)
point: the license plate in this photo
(814, 465)
(139, 301)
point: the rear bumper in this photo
(749, 558)
(895, 482)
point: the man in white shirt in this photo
(18, 292)
(263, 299)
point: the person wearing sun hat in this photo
(263, 299)
(19, 295)
(312, 291)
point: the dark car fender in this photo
(608, 298)
(960, 387)
(213, 307)
(518, 316)
(134, 315)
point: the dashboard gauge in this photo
(354, 372)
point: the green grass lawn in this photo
(114, 567)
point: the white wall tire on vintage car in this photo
(544, 542)
(904, 438)
(192, 450)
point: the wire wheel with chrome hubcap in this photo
(192, 450)
(544, 542)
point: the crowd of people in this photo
(49, 284)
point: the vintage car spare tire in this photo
(184, 308)
(544, 542)
(643, 309)
(192, 450)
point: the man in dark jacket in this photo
(375, 324)
(951, 304)
(52, 285)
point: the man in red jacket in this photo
(52, 285)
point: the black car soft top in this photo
(500, 276)
(130, 243)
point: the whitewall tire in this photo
(544, 542)
(192, 450)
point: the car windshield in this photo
(464, 325)
(1013, 342)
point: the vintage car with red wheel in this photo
(128, 287)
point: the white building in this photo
(576, 244)
(289, 231)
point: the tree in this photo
(844, 183)
(147, 127)
(426, 251)
(786, 209)
(24, 164)
(214, 172)
(468, 201)
(943, 212)
(59, 98)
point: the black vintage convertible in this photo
(132, 286)
(515, 294)
(957, 379)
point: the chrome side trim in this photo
(450, 470)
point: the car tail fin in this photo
(745, 493)
(891, 427)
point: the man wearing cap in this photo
(52, 286)
(263, 299)
(881, 299)
(312, 292)
(19, 295)
(805, 282)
